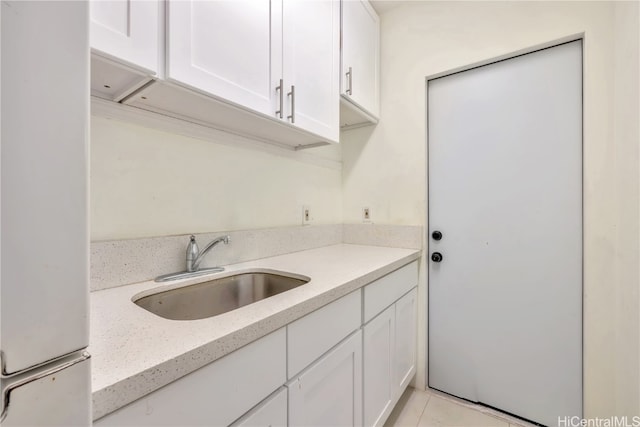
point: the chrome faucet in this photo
(195, 256)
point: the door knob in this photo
(436, 235)
(436, 257)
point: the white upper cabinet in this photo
(311, 36)
(228, 48)
(279, 58)
(268, 70)
(126, 30)
(360, 77)
(125, 43)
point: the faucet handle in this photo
(226, 240)
(192, 238)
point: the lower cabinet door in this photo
(405, 352)
(329, 392)
(378, 362)
(272, 412)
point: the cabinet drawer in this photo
(216, 394)
(388, 289)
(313, 335)
(272, 412)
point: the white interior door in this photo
(505, 191)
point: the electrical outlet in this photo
(306, 215)
(366, 214)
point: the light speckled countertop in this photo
(135, 352)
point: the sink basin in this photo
(208, 299)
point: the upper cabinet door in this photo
(311, 61)
(127, 31)
(360, 80)
(231, 49)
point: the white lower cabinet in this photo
(313, 335)
(329, 392)
(125, 51)
(385, 291)
(389, 343)
(272, 412)
(405, 340)
(378, 363)
(215, 395)
(339, 372)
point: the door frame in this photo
(426, 241)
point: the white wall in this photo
(626, 132)
(384, 167)
(147, 182)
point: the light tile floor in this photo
(418, 408)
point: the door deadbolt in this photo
(436, 257)
(436, 235)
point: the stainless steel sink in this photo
(217, 296)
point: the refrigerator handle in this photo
(58, 360)
(26, 379)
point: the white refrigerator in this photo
(44, 253)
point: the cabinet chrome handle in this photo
(281, 92)
(292, 94)
(349, 82)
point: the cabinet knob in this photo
(436, 235)
(436, 257)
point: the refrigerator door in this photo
(44, 181)
(59, 396)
